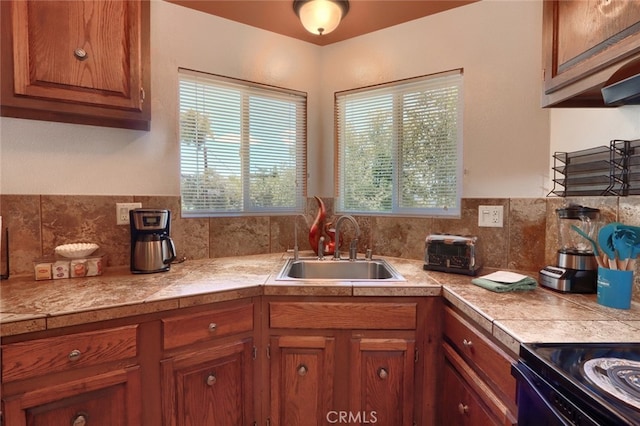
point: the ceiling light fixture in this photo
(320, 16)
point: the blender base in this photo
(567, 280)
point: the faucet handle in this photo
(368, 254)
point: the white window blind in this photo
(242, 147)
(399, 147)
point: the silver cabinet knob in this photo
(213, 326)
(74, 355)
(211, 379)
(302, 370)
(80, 419)
(383, 373)
(467, 343)
(463, 408)
(80, 54)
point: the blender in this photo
(577, 268)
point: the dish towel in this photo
(503, 281)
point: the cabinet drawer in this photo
(187, 329)
(480, 352)
(51, 355)
(366, 316)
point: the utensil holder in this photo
(614, 288)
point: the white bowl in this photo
(76, 250)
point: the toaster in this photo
(451, 253)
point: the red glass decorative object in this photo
(319, 229)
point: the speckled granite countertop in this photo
(540, 315)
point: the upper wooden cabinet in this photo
(84, 62)
(584, 43)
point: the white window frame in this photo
(251, 122)
(447, 85)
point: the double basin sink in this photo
(338, 270)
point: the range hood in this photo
(623, 88)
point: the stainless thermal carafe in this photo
(152, 250)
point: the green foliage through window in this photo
(242, 147)
(399, 147)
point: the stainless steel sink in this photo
(338, 270)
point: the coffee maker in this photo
(577, 268)
(152, 250)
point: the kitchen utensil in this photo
(605, 241)
(623, 240)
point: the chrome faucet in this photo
(353, 247)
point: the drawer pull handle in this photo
(212, 327)
(383, 373)
(74, 355)
(80, 54)
(467, 343)
(211, 379)
(80, 419)
(463, 408)
(302, 370)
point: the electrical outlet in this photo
(490, 216)
(122, 212)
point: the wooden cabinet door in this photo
(460, 406)
(212, 387)
(302, 380)
(582, 38)
(382, 381)
(83, 51)
(77, 61)
(107, 399)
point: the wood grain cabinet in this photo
(76, 379)
(342, 362)
(81, 61)
(207, 371)
(479, 388)
(584, 43)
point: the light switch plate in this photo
(490, 216)
(122, 212)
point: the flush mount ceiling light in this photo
(320, 16)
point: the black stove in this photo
(578, 384)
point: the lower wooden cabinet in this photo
(327, 368)
(212, 386)
(111, 398)
(302, 379)
(478, 386)
(382, 380)
(460, 404)
(77, 379)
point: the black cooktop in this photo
(604, 376)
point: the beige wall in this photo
(508, 139)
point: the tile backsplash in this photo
(526, 242)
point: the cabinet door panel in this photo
(78, 51)
(110, 399)
(382, 381)
(460, 407)
(301, 379)
(210, 387)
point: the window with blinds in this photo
(242, 147)
(399, 147)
